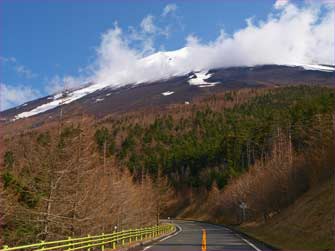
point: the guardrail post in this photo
(123, 237)
(70, 247)
(103, 240)
(115, 240)
(42, 245)
(89, 243)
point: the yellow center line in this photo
(204, 244)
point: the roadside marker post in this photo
(243, 206)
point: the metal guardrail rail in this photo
(98, 242)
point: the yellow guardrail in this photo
(96, 242)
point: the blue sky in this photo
(44, 40)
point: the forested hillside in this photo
(75, 177)
(220, 138)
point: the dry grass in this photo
(305, 225)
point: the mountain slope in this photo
(100, 100)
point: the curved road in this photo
(197, 236)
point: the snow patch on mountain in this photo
(168, 93)
(160, 60)
(61, 99)
(200, 79)
(318, 67)
(208, 85)
(99, 100)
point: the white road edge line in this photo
(167, 237)
(250, 244)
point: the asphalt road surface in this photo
(197, 236)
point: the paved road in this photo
(196, 236)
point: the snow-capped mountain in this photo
(173, 86)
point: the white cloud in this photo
(58, 84)
(25, 72)
(115, 55)
(290, 35)
(147, 24)
(18, 68)
(5, 59)
(280, 4)
(11, 96)
(192, 40)
(168, 9)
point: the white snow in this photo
(167, 93)
(167, 62)
(318, 67)
(23, 105)
(314, 67)
(108, 94)
(200, 79)
(99, 100)
(57, 96)
(60, 100)
(208, 85)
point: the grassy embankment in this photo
(305, 225)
